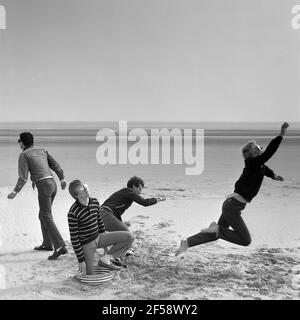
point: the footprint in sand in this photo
(167, 252)
(171, 189)
(254, 284)
(139, 233)
(291, 187)
(251, 271)
(142, 217)
(274, 250)
(273, 261)
(161, 225)
(267, 194)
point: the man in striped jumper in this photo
(88, 233)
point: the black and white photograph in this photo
(149, 150)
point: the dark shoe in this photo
(118, 262)
(42, 247)
(130, 252)
(58, 253)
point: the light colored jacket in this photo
(38, 162)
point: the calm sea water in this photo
(77, 156)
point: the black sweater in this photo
(121, 200)
(251, 179)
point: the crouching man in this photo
(87, 231)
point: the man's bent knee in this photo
(246, 242)
(130, 236)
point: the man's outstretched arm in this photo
(146, 202)
(272, 146)
(270, 173)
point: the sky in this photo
(149, 60)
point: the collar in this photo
(25, 149)
(82, 205)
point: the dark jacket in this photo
(121, 200)
(255, 169)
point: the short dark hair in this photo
(72, 188)
(27, 139)
(135, 181)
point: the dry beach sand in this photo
(212, 271)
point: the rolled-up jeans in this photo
(230, 217)
(46, 194)
(119, 240)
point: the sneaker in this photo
(109, 265)
(118, 262)
(130, 252)
(58, 253)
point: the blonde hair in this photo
(247, 149)
(73, 188)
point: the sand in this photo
(212, 271)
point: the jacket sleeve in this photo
(269, 152)
(23, 171)
(53, 165)
(142, 201)
(268, 172)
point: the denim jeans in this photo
(46, 194)
(230, 217)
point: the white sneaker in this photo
(108, 265)
(130, 252)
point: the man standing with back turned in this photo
(39, 162)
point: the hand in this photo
(82, 267)
(161, 197)
(63, 184)
(12, 195)
(278, 178)
(283, 129)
